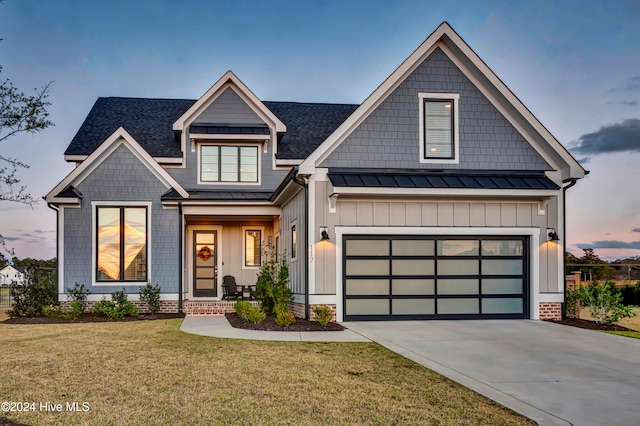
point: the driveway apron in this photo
(551, 373)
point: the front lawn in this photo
(149, 372)
(632, 323)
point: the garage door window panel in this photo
(502, 248)
(414, 307)
(413, 248)
(367, 248)
(458, 267)
(458, 306)
(368, 306)
(403, 267)
(367, 287)
(502, 267)
(367, 267)
(413, 287)
(511, 305)
(458, 286)
(458, 247)
(502, 286)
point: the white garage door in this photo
(416, 277)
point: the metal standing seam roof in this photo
(219, 195)
(485, 179)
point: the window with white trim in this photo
(294, 240)
(121, 244)
(439, 128)
(229, 163)
(252, 247)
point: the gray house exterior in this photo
(440, 195)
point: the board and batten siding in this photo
(445, 213)
(292, 211)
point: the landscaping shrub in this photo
(322, 314)
(606, 305)
(151, 296)
(283, 316)
(255, 315)
(631, 295)
(242, 308)
(78, 295)
(57, 311)
(30, 298)
(572, 303)
(272, 285)
(117, 308)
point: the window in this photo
(226, 163)
(121, 244)
(294, 241)
(252, 247)
(439, 128)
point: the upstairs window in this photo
(439, 128)
(228, 163)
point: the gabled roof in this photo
(445, 38)
(229, 79)
(308, 124)
(65, 191)
(148, 121)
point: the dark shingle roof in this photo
(475, 179)
(150, 122)
(308, 125)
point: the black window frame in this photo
(238, 170)
(453, 129)
(122, 242)
(259, 251)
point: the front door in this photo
(205, 269)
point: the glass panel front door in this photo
(205, 265)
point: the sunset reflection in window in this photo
(122, 244)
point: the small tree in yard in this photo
(30, 299)
(273, 283)
(151, 296)
(605, 305)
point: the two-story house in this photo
(440, 196)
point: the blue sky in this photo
(574, 64)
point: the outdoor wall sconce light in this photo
(552, 234)
(324, 234)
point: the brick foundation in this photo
(214, 307)
(551, 311)
(298, 310)
(166, 306)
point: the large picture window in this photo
(439, 128)
(225, 163)
(121, 244)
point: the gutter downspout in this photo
(181, 253)
(57, 210)
(306, 242)
(564, 240)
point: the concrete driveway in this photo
(551, 373)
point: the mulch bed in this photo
(591, 325)
(269, 324)
(84, 318)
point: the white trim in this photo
(534, 252)
(75, 158)
(199, 146)
(456, 140)
(232, 210)
(322, 299)
(188, 238)
(262, 245)
(114, 141)
(551, 298)
(224, 136)
(445, 36)
(282, 162)
(451, 192)
(229, 79)
(94, 224)
(168, 160)
(60, 254)
(312, 233)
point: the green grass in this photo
(149, 372)
(634, 334)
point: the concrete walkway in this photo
(551, 373)
(218, 326)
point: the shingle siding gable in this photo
(228, 108)
(388, 137)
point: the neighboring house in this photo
(441, 195)
(12, 275)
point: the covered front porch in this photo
(216, 246)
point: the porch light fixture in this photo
(324, 234)
(552, 234)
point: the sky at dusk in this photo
(574, 64)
